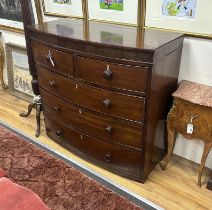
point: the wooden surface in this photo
(182, 114)
(132, 81)
(172, 189)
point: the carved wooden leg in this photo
(171, 142)
(207, 148)
(38, 112)
(30, 107)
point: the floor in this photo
(173, 189)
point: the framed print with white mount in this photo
(116, 11)
(19, 78)
(193, 17)
(63, 8)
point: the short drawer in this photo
(113, 75)
(109, 102)
(55, 59)
(200, 117)
(116, 158)
(105, 127)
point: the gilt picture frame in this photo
(11, 15)
(64, 8)
(125, 12)
(19, 78)
(192, 17)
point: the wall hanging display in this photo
(119, 11)
(19, 78)
(190, 16)
(63, 8)
(11, 17)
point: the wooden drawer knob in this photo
(109, 129)
(108, 74)
(107, 103)
(59, 133)
(52, 83)
(108, 157)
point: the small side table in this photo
(191, 115)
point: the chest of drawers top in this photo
(114, 41)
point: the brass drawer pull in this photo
(50, 58)
(109, 129)
(107, 103)
(56, 109)
(52, 83)
(108, 74)
(59, 133)
(108, 157)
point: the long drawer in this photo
(108, 74)
(108, 128)
(55, 59)
(112, 103)
(116, 158)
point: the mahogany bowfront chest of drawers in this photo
(105, 90)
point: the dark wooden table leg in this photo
(37, 104)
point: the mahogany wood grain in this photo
(118, 159)
(53, 58)
(91, 97)
(122, 132)
(124, 77)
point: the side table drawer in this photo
(105, 127)
(114, 157)
(55, 59)
(113, 75)
(202, 119)
(109, 102)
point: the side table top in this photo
(194, 93)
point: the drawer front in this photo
(105, 154)
(108, 74)
(55, 59)
(202, 120)
(102, 126)
(116, 104)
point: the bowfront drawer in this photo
(55, 59)
(112, 103)
(102, 126)
(114, 157)
(113, 75)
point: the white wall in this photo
(196, 66)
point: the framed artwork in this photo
(189, 16)
(19, 78)
(63, 8)
(11, 17)
(118, 11)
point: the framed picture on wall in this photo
(118, 11)
(11, 17)
(189, 16)
(19, 78)
(63, 8)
